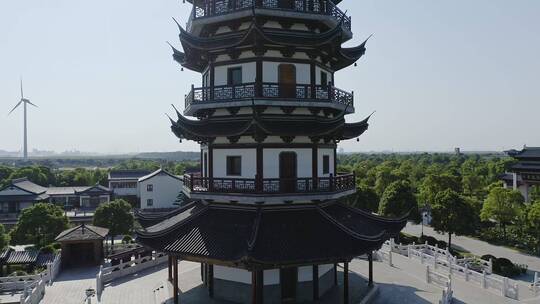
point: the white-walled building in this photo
(125, 184)
(159, 190)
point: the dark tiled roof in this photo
(94, 189)
(128, 174)
(25, 184)
(44, 259)
(22, 257)
(267, 237)
(526, 153)
(526, 167)
(147, 219)
(158, 172)
(202, 130)
(82, 233)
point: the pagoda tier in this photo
(260, 127)
(200, 51)
(255, 238)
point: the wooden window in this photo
(149, 202)
(234, 76)
(326, 164)
(234, 165)
(324, 80)
(150, 188)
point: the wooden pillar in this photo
(313, 80)
(370, 259)
(260, 168)
(260, 286)
(315, 166)
(211, 280)
(175, 281)
(335, 275)
(315, 282)
(202, 272)
(212, 70)
(259, 78)
(202, 164)
(170, 264)
(210, 167)
(253, 287)
(335, 161)
(346, 283)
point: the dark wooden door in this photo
(287, 172)
(286, 4)
(288, 278)
(287, 81)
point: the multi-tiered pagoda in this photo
(265, 220)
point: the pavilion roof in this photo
(260, 126)
(82, 233)
(528, 153)
(196, 48)
(268, 236)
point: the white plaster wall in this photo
(271, 162)
(321, 153)
(165, 191)
(271, 277)
(249, 162)
(249, 72)
(271, 74)
(25, 205)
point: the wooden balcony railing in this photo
(221, 7)
(332, 184)
(268, 90)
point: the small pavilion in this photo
(82, 245)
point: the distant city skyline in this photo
(439, 74)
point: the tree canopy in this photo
(502, 206)
(397, 200)
(39, 225)
(452, 214)
(116, 216)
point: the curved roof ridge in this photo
(144, 233)
(375, 216)
(253, 241)
(352, 233)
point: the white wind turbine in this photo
(24, 102)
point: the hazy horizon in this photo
(439, 75)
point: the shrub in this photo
(47, 249)
(487, 257)
(57, 246)
(429, 239)
(506, 268)
(442, 244)
(127, 239)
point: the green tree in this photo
(4, 237)
(39, 225)
(397, 200)
(116, 216)
(365, 198)
(503, 206)
(452, 214)
(434, 184)
(533, 221)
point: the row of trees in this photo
(462, 192)
(46, 176)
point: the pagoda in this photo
(264, 217)
(525, 173)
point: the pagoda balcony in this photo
(198, 187)
(269, 94)
(224, 8)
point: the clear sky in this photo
(440, 74)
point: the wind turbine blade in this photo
(28, 101)
(22, 94)
(15, 107)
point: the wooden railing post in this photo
(332, 186)
(191, 182)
